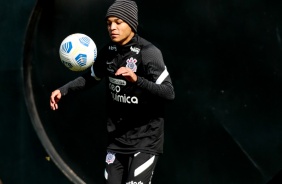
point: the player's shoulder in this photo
(108, 47)
(148, 47)
(107, 50)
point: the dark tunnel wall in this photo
(224, 58)
(22, 157)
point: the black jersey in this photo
(135, 110)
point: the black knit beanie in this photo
(126, 10)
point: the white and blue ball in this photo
(78, 52)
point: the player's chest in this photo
(128, 60)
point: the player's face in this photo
(119, 31)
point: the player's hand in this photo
(54, 99)
(127, 73)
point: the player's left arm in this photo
(158, 81)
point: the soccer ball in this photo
(78, 52)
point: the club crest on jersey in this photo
(110, 158)
(131, 63)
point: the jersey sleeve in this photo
(158, 81)
(90, 78)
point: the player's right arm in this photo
(55, 98)
(81, 83)
(85, 81)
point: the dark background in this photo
(22, 157)
(224, 57)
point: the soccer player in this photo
(138, 86)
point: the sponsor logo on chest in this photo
(115, 86)
(134, 182)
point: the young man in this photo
(138, 85)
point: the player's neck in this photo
(125, 41)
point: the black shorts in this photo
(129, 168)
